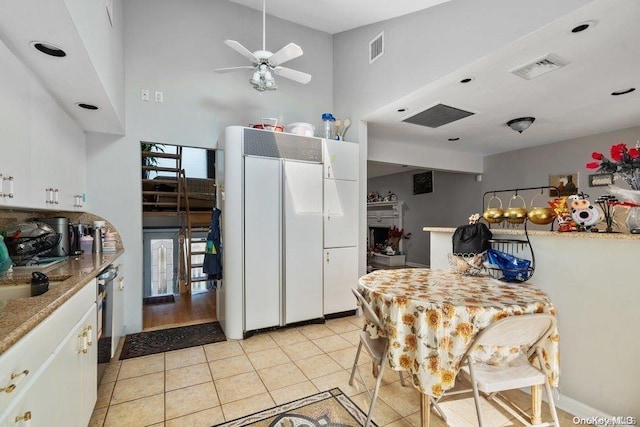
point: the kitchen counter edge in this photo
(570, 235)
(20, 316)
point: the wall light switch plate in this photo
(159, 97)
(144, 94)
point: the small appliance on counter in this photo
(60, 225)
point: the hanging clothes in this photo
(213, 253)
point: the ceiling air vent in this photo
(541, 66)
(437, 116)
(376, 47)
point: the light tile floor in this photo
(206, 385)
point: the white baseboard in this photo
(573, 406)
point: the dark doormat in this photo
(160, 299)
(153, 342)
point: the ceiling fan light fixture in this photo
(521, 124)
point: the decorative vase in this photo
(633, 219)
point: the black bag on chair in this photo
(471, 239)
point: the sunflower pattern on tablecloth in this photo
(432, 316)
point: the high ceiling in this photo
(570, 102)
(335, 16)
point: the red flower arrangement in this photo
(395, 232)
(624, 163)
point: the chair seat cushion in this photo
(515, 374)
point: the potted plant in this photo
(149, 160)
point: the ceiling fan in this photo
(267, 63)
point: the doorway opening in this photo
(178, 197)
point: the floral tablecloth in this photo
(431, 317)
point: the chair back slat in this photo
(368, 312)
(522, 330)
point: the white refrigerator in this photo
(271, 197)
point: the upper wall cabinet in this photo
(340, 160)
(91, 72)
(42, 164)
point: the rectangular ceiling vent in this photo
(437, 116)
(541, 66)
(376, 47)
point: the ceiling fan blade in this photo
(241, 50)
(226, 70)
(285, 54)
(297, 76)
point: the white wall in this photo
(455, 197)
(531, 167)
(173, 47)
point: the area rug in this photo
(159, 299)
(328, 408)
(152, 342)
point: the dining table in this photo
(432, 316)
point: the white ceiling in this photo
(335, 16)
(568, 103)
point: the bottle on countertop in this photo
(327, 129)
(97, 240)
(86, 244)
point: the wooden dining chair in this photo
(528, 331)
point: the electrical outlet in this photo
(144, 94)
(158, 96)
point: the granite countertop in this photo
(21, 315)
(570, 234)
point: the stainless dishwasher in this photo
(104, 301)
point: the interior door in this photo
(160, 255)
(262, 246)
(303, 241)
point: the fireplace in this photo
(381, 217)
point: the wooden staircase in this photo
(163, 197)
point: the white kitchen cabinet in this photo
(14, 159)
(54, 367)
(43, 147)
(117, 299)
(340, 213)
(340, 275)
(57, 158)
(38, 404)
(341, 225)
(340, 159)
(76, 368)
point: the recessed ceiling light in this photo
(582, 26)
(623, 91)
(466, 80)
(401, 110)
(49, 49)
(86, 106)
(454, 139)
